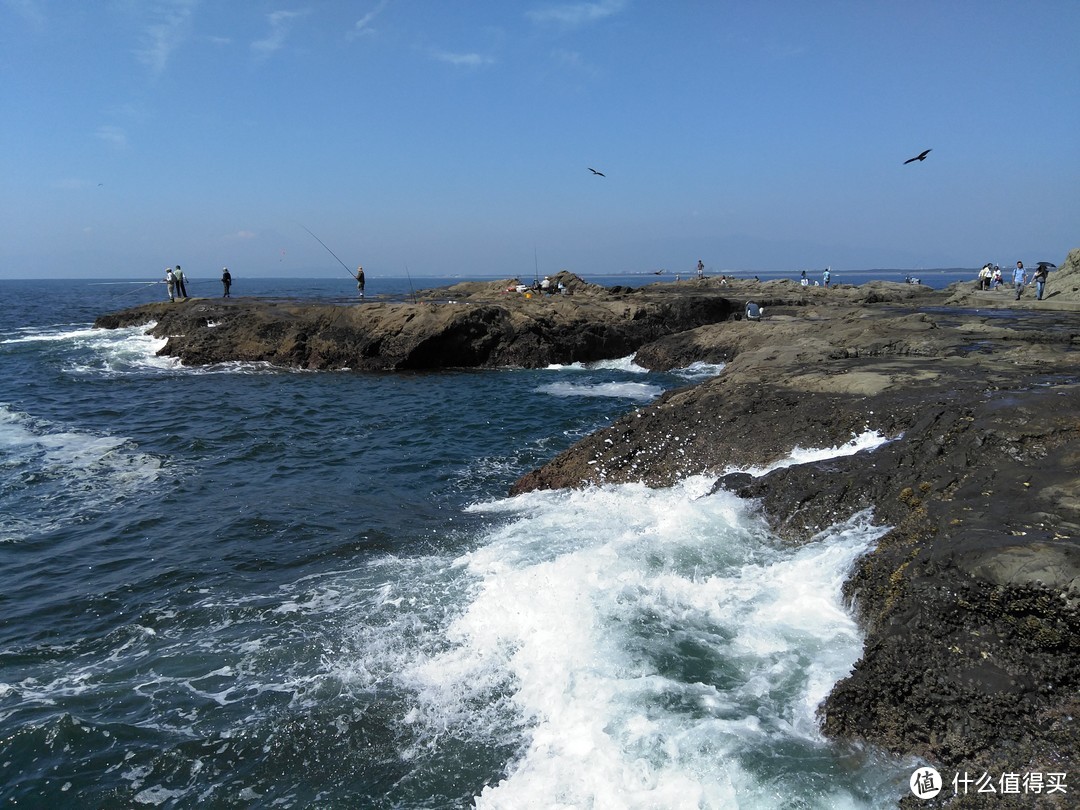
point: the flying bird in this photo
(594, 171)
(918, 157)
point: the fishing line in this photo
(321, 242)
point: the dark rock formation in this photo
(971, 602)
(479, 325)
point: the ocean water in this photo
(245, 586)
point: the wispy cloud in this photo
(363, 25)
(462, 59)
(29, 10)
(241, 235)
(168, 24)
(572, 62)
(114, 136)
(281, 23)
(576, 14)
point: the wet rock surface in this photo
(971, 600)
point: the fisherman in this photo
(360, 280)
(170, 283)
(226, 281)
(181, 288)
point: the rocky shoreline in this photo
(971, 601)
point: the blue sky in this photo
(455, 137)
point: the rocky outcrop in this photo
(467, 326)
(1062, 290)
(971, 602)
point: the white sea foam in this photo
(130, 350)
(640, 392)
(650, 648)
(102, 351)
(700, 370)
(867, 440)
(636, 648)
(50, 335)
(618, 364)
(50, 475)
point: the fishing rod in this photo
(136, 286)
(321, 242)
(412, 290)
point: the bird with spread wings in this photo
(921, 156)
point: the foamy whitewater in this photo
(247, 586)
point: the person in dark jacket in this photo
(181, 288)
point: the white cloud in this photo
(576, 14)
(114, 136)
(462, 59)
(363, 25)
(280, 25)
(168, 24)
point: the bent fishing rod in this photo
(321, 242)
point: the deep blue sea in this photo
(246, 586)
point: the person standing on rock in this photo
(1019, 279)
(170, 283)
(226, 281)
(826, 277)
(1039, 277)
(181, 288)
(700, 269)
(360, 280)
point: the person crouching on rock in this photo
(753, 311)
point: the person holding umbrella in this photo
(1041, 272)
